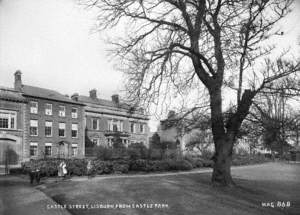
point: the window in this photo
(33, 129)
(33, 107)
(74, 113)
(96, 141)
(125, 142)
(48, 109)
(115, 125)
(48, 129)
(74, 130)
(109, 141)
(48, 149)
(62, 111)
(142, 128)
(33, 149)
(74, 151)
(132, 130)
(61, 129)
(8, 119)
(95, 124)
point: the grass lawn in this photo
(187, 194)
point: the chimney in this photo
(18, 80)
(93, 93)
(171, 114)
(75, 97)
(115, 98)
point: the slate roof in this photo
(47, 94)
(103, 102)
(10, 94)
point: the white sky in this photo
(51, 42)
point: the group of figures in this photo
(35, 174)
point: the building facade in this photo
(46, 123)
(12, 127)
(104, 119)
(37, 123)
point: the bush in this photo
(199, 163)
(155, 154)
(77, 166)
(138, 165)
(98, 167)
(207, 163)
(120, 167)
(17, 171)
(138, 151)
(206, 154)
(179, 165)
(192, 160)
(238, 160)
(159, 165)
(103, 153)
(49, 167)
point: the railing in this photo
(114, 133)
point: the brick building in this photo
(12, 123)
(47, 123)
(37, 122)
(106, 118)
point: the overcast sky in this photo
(51, 42)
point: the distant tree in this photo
(138, 151)
(200, 139)
(155, 141)
(183, 46)
(276, 117)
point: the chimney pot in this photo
(115, 98)
(75, 97)
(93, 93)
(171, 114)
(18, 81)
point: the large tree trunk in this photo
(224, 139)
(222, 162)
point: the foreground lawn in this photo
(186, 194)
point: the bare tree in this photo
(275, 117)
(182, 45)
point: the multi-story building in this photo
(106, 118)
(37, 122)
(43, 122)
(12, 127)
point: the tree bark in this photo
(224, 139)
(222, 163)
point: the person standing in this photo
(62, 169)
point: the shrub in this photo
(77, 166)
(155, 154)
(120, 167)
(190, 159)
(206, 154)
(199, 163)
(104, 153)
(171, 154)
(134, 154)
(138, 165)
(17, 171)
(137, 151)
(180, 165)
(207, 163)
(98, 167)
(159, 165)
(47, 167)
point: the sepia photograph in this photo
(143, 107)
